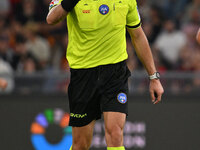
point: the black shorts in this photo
(96, 90)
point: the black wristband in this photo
(68, 5)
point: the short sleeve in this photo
(133, 17)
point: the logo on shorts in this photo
(104, 9)
(78, 115)
(122, 98)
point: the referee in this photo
(96, 53)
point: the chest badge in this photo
(104, 9)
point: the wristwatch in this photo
(156, 75)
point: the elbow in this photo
(49, 20)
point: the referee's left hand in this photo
(156, 90)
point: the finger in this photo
(158, 98)
(152, 96)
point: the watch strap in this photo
(156, 75)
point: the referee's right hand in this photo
(58, 10)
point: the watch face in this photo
(158, 75)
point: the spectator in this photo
(2, 22)
(7, 73)
(144, 9)
(196, 59)
(4, 7)
(153, 27)
(38, 46)
(173, 8)
(29, 66)
(6, 53)
(192, 13)
(186, 59)
(28, 13)
(169, 44)
(21, 54)
(190, 50)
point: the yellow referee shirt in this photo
(97, 29)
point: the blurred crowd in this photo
(29, 45)
(171, 27)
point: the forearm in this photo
(56, 14)
(59, 10)
(143, 50)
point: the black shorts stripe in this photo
(136, 26)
